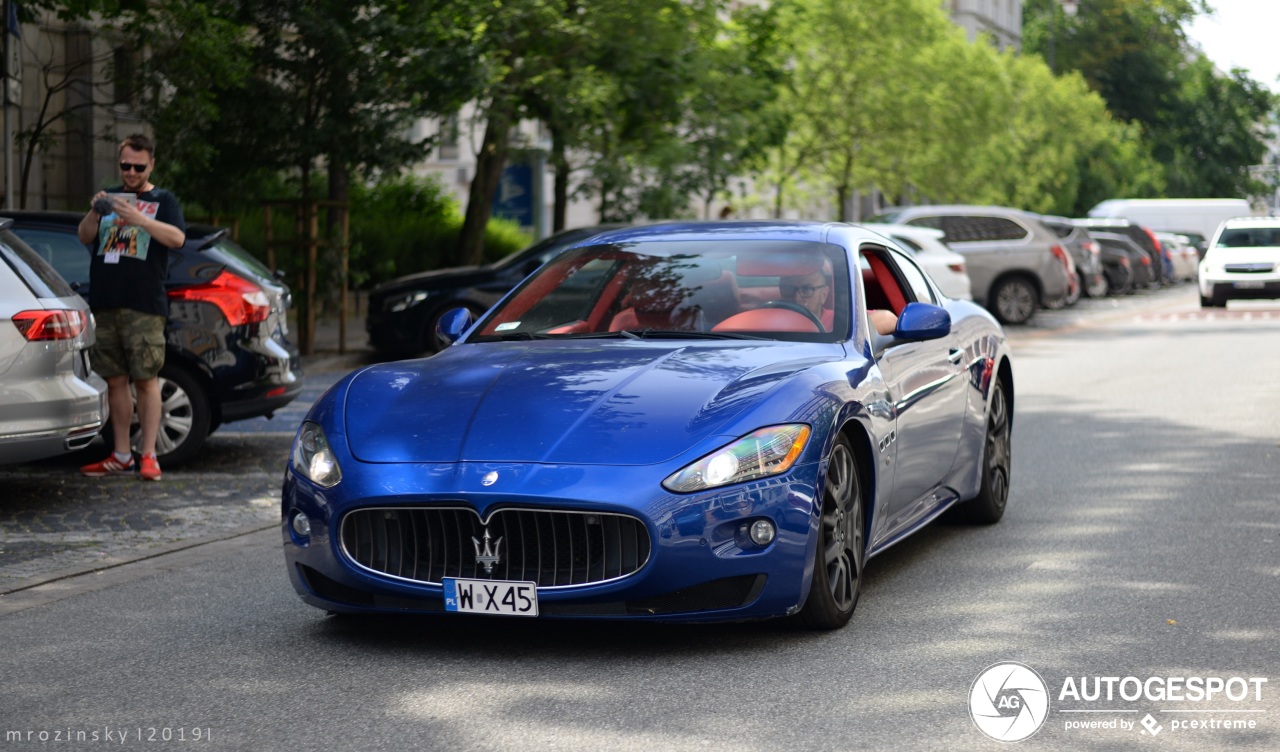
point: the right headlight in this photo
(313, 458)
(769, 451)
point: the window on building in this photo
(449, 137)
(124, 75)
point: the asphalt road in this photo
(1141, 541)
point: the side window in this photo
(915, 279)
(61, 250)
(963, 228)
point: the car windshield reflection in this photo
(785, 290)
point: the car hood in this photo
(631, 403)
(1222, 256)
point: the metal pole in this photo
(8, 122)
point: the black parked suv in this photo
(227, 353)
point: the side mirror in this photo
(453, 323)
(921, 321)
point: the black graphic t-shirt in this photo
(129, 267)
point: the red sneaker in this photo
(150, 468)
(109, 466)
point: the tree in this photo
(1201, 128)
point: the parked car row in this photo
(227, 352)
(1020, 261)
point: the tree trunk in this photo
(560, 202)
(489, 164)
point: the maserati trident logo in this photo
(490, 554)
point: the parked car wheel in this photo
(988, 506)
(838, 557)
(1014, 300)
(185, 417)
(1095, 287)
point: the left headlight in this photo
(404, 301)
(313, 458)
(769, 451)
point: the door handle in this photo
(955, 356)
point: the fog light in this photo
(763, 532)
(301, 525)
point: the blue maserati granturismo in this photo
(673, 422)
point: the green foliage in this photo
(1200, 128)
(399, 225)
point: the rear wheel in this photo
(838, 556)
(993, 494)
(185, 417)
(1014, 300)
(1094, 286)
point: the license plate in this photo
(497, 597)
(1249, 285)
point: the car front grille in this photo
(1256, 267)
(554, 549)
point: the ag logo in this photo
(1009, 702)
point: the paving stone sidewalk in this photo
(56, 523)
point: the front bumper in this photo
(1240, 286)
(700, 567)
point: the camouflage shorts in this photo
(129, 343)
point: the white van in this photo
(1180, 215)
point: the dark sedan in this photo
(403, 312)
(227, 354)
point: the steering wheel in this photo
(788, 305)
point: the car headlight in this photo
(313, 458)
(404, 302)
(769, 451)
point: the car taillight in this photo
(1146, 260)
(240, 300)
(1060, 253)
(957, 268)
(45, 325)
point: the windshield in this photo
(712, 288)
(1250, 237)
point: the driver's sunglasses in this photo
(803, 291)
(126, 166)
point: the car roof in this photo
(1252, 222)
(725, 229)
(196, 231)
(917, 231)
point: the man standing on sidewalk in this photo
(134, 226)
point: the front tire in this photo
(997, 459)
(1014, 300)
(839, 554)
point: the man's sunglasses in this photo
(126, 166)
(799, 290)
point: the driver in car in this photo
(811, 291)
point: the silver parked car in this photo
(50, 400)
(1015, 263)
